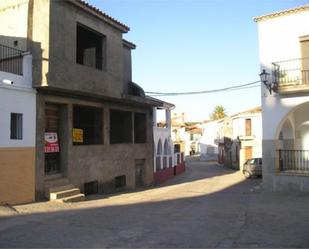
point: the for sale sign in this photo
(51, 142)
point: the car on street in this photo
(252, 167)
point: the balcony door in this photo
(304, 46)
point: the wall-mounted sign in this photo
(78, 135)
(51, 142)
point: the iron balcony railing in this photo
(293, 72)
(294, 160)
(11, 60)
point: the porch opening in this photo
(293, 141)
(140, 128)
(120, 127)
(87, 125)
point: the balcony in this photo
(291, 76)
(294, 161)
(11, 60)
(15, 67)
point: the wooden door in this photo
(248, 153)
(52, 159)
(139, 172)
(248, 127)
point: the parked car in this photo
(252, 167)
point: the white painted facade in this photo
(209, 140)
(285, 114)
(279, 40)
(163, 145)
(253, 141)
(17, 96)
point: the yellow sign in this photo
(78, 135)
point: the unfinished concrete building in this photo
(94, 125)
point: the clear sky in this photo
(193, 45)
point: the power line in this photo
(232, 88)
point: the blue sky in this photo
(192, 45)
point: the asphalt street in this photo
(209, 206)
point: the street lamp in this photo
(265, 80)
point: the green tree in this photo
(218, 112)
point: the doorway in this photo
(139, 172)
(51, 137)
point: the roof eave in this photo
(281, 13)
(99, 14)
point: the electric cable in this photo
(232, 88)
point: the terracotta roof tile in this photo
(281, 13)
(101, 14)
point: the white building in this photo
(247, 136)
(209, 140)
(167, 161)
(162, 137)
(284, 52)
(17, 122)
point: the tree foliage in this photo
(218, 112)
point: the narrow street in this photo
(208, 206)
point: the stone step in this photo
(63, 193)
(74, 198)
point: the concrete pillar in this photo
(27, 68)
(168, 118)
(154, 117)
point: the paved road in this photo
(208, 206)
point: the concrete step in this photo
(53, 183)
(67, 192)
(61, 188)
(74, 198)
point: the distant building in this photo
(233, 139)
(167, 161)
(209, 140)
(284, 53)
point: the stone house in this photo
(93, 124)
(284, 53)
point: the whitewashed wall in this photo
(279, 40)
(18, 98)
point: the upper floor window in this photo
(16, 126)
(89, 47)
(248, 127)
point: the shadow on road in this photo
(189, 215)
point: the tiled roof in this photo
(97, 12)
(281, 13)
(250, 111)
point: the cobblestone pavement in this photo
(209, 206)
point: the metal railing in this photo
(291, 72)
(294, 160)
(11, 60)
